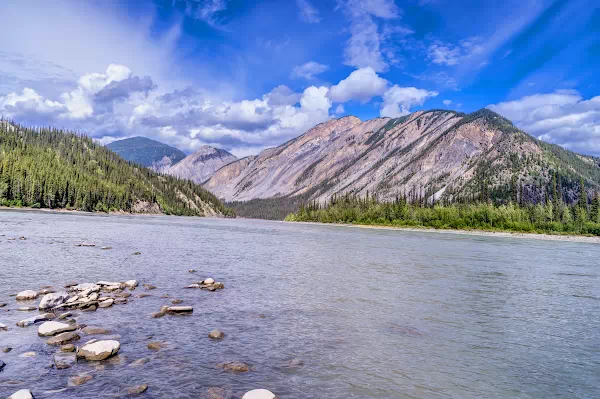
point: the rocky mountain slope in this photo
(50, 168)
(202, 164)
(428, 154)
(146, 152)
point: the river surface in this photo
(370, 313)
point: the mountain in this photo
(49, 168)
(201, 165)
(438, 154)
(146, 152)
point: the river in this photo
(368, 313)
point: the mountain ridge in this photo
(147, 152)
(202, 164)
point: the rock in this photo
(22, 394)
(64, 360)
(106, 304)
(69, 284)
(193, 286)
(26, 309)
(3, 327)
(217, 393)
(192, 271)
(131, 283)
(208, 281)
(2, 365)
(53, 300)
(79, 380)
(99, 350)
(35, 319)
(28, 354)
(106, 247)
(238, 367)
(87, 288)
(157, 345)
(139, 362)
(120, 301)
(123, 294)
(50, 328)
(2, 304)
(137, 253)
(149, 287)
(67, 348)
(27, 295)
(294, 363)
(94, 330)
(164, 296)
(63, 338)
(85, 244)
(6, 349)
(142, 295)
(161, 313)
(180, 309)
(89, 307)
(137, 389)
(259, 394)
(176, 301)
(65, 315)
(45, 291)
(22, 238)
(216, 334)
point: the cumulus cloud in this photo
(563, 117)
(447, 102)
(397, 101)
(362, 85)
(308, 13)
(308, 70)
(364, 48)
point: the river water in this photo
(370, 313)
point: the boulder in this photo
(149, 286)
(216, 334)
(238, 367)
(137, 389)
(50, 328)
(6, 349)
(99, 350)
(123, 294)
(217, 393)
(63, 338)
(259, 394)
(131, 284)
(180, 309)
(27, 295)
(79, 380)
(157, 345)
(53, 300)
(89, 330)
(106, 304)
(176, 301)
(35, 319)
(22, 394)
(64, 360)
(91, 287)
(3, 327)
(65, 315)
(208, 281)
(67, 348)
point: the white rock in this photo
(50, 328)
(87, 286)
(259, 394)
(131, 283)
(99, 350)
(209, 281)
(53, 300)
(26, 295)
(3, 327)
(22, 394)
(106, 304)
(35, 319)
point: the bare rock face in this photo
(201, 165)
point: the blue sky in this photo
(245, 75)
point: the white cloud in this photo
(362, 85)
(447, 54)
(397, 100)
(364, 48)
(340, 109)
(563, 117)
(308, 13)
(447, 102)
(309, 70)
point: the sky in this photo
(247, 75)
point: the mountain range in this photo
(202, 164)
(146, 152)
(437, 154)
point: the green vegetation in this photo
(144, 151)
(50, 168)
(553, 217)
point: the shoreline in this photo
(485, 233)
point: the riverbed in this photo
(316, 311)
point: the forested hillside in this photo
(146, 152)
(50, 168)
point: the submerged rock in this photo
(67, 348)
(63, 338)
(27, 295)
(50, 328)
(176, 301)
(64, 360)
(137, 389)
(3, 327)
(79, 380)
(149, 287)
(107, 303)
(6, 349)
(53, 300)
(22, 394)
(99, 350)
(28, 354)
(139, 362)
(157, 345)
(192, 271)
(2, 304)
(89, 330)
(35, 319)
(161, 313)
(259, 394)
(238, 367)
(216, 334)
(217, 393)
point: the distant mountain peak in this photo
(200, 165)
(147, 152)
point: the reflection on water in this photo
(356, 313)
